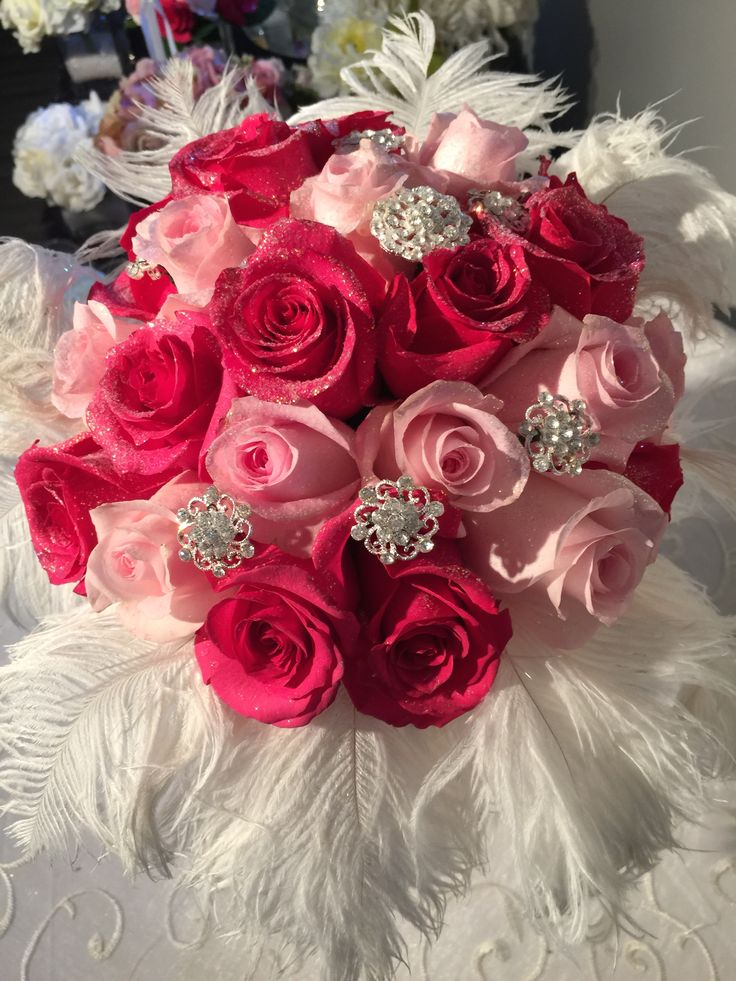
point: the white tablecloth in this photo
(80, 920)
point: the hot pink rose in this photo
(469, 152)
(568, 554)
(136, 565)
(446, 436)
(274, 651)
(79, 357)
(291, 463)
(344, 193)
(194, 239)
(630, 376)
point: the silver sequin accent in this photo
(396, 520)
(385, 138)
(214, 532)
(558, 434)
(509, 211)
(138, 268)
(414, 221)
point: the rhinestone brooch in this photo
(509, 211)
(558, 434)
(396, 520)
(414, 221)
(385, 138)
(214, 532)
(139, 268)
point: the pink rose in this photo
(136, 565)
(567, 555)
(291, 463)
(469, 152)
(268, 74)
(446, 436)
(344, 192)
(194, 239)
(630, 376)
(79, 357)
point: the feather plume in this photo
(177, 119)
(397, 79)
(687, 221)
(333, 834)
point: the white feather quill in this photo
(397, 79)
(178, 118)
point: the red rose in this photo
(274, 651)
(138, 299)
(323, 134)
(588, 259)
(260, 162)
(298, 320)
(430, 649)
(163, 394)
(59, 486)
(655, 468)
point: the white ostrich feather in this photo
(331, 835)
(397, 80)
(687, 221)
(142, 176)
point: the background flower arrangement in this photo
(294, 250)
(33, 20)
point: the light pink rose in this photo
(194, 239)
(446, 436)
(468, 152)
(291, 463)
(630, 376)
(344, 193)
(567, 555)
(79, 356)
(268, 74)
(136, 565)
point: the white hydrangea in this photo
(32, 20)
(44, 155)
(348, 28)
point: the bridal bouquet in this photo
(369, 459)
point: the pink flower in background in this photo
(291, 463)
(194, 239)
(630, 376)
(79, 356)
(568, 554)
(268, 74)
(136, 565)
(446, 436)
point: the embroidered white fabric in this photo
(80, 920)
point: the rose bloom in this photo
(293, 465)
(59, 486)
(344, 192)
(79, 356)
(446, 436)
(194, 239)
(268, 74)
(568, 554)
(178, 14)
(160, 399)
(629, 375)
(459, 315)
(466, 152)
(588, 259)
(274, 651)
(132, 299)
(136, 565)
(259, 163)
(298, 321)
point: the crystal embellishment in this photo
(214, 532)
(385, 138)
(414, 221)
(138, 268)
(558, 434)
(396, 520)
(509, 211)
